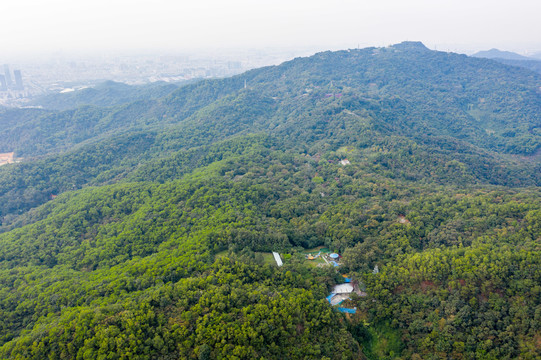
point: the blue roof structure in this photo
(347, 311)
(330, 297)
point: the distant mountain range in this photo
(536, 56)
(510, 58)
(499, 54)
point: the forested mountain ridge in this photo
(391, 102)
(533, 64)
(143, 233)
(475, 100)
(108, 93)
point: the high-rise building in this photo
(18, 80)
(3, 85)
(8, 75)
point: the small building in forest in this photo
(277, 258)
(346, 288)
(340, 293)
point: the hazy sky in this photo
(74, 25)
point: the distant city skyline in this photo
(7, 83)
(34, 27)
(37, 76)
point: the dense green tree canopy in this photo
(143, 230)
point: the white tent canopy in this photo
(343, 289)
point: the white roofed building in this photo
(277, 258)
(343, 289)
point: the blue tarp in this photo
(335, 263)
(348, 280)
(346, 310)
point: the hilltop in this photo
(499, 54)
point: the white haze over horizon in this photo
(38, 27)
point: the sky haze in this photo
(36, 26)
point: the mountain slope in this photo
(510, 58)
(474, 100)
(533, 65)
(144, 249)
(287, 101)
(109, 93)
(399, 100)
